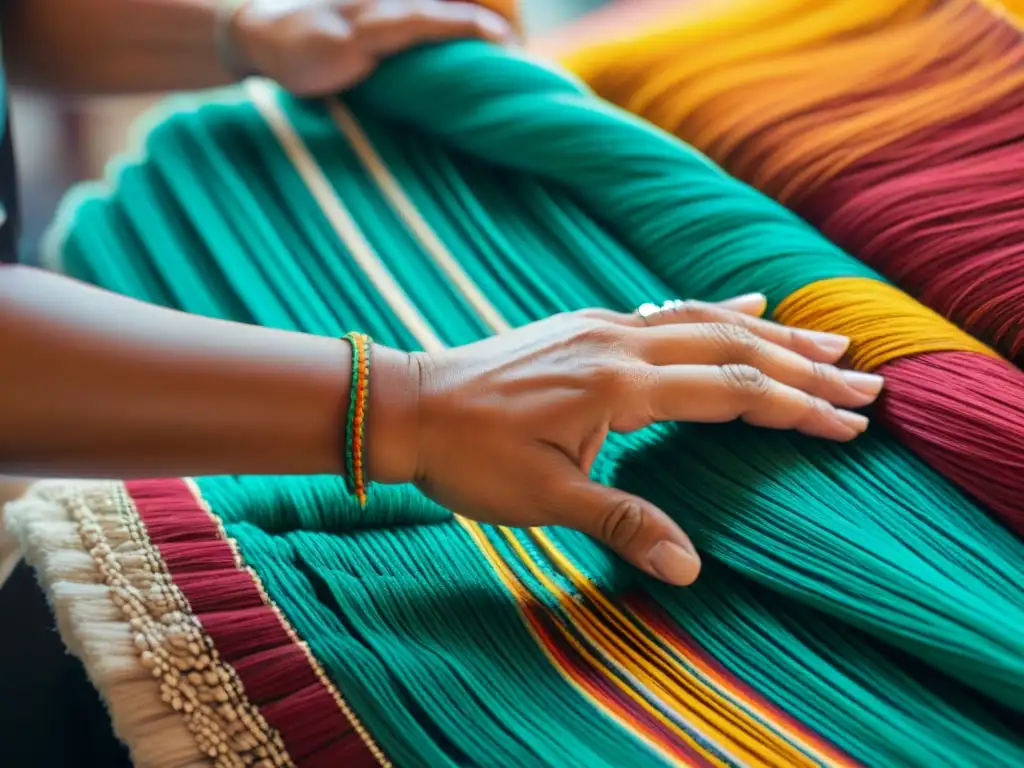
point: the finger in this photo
(386, 28)
(637, 530)
(824, 347)
(744, 311)
(717, 394)
(727, 343)
(750, 304)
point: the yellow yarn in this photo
(725, 34)
(882, 322)
(1012, 10)
(786, 93)
(690, 78)
(1014, 7)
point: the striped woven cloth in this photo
(856, 608)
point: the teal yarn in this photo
(880, 703)
(850, 555)
(321, 503)
(467, 668)
(398, 604)
(711, 234)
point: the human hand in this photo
(317, 47)
(505, 430)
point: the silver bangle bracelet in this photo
(227, 50)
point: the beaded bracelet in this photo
(358, 402)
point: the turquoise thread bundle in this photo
(284, 504)
(208, 244)
(623, 170)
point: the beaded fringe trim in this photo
(172, 691)
(96, 568)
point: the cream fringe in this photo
(53, 523)
(11, 488)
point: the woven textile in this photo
(855, 606)
(896, 128)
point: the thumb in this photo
(637, 530)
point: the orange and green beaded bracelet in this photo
(355, 444)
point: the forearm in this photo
(99, 385)
(113, 46)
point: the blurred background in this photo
(61, 141)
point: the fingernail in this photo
(748, 304)
(494, 26)
(828, 342)
(854, 421)
(674, 564)
(865, 383)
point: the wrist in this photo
(392, 432)
(230, 51)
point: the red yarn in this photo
(230, 588)
(195, 556)
(247, 632)
(941, 214)
(583, 672)
(275, 672)
(963, 413)
(239, 632)
(953, 237)
(343, 752)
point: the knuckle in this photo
(601, 335)
(619, 380)
(791, 338)
(825, 373)
(689, 310)
(544, 491)
(739, 341)
(479, 18)
(820, 407)
(746, 380)
(621, 522)
(593, 315)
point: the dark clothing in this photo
(50, 715)
(10, 217)
(9, 213)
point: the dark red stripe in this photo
(248, 634)
(651, 614)
(601, 687)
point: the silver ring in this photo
(649, 308)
